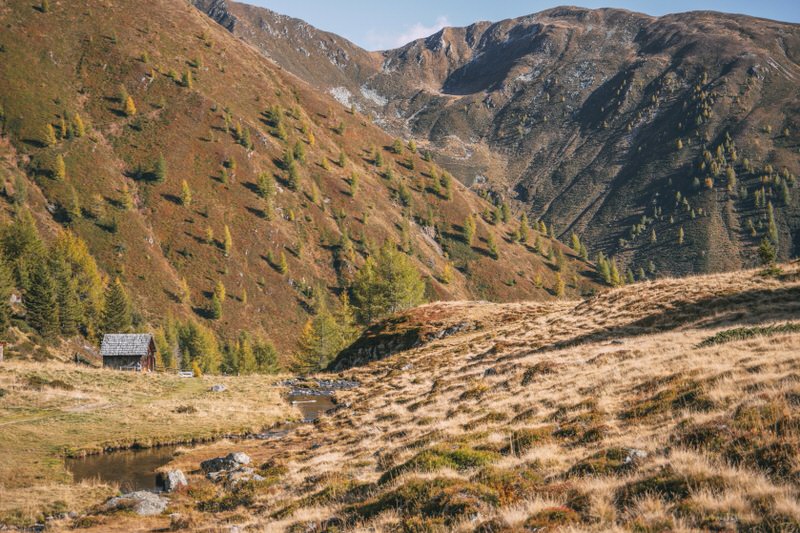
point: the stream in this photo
(135, 469)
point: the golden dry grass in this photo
(602, 415)
(620, 372)
(49, 410)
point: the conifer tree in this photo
(767, 253)
(246, 356)
(576, 243)
(59, 168)
(292, 176)
(283, 266)
(220, 292)
(469, 230)
(73, 207)
(186, 194)
(354, 181)
(227, 243)
(524, 229)
(772, 228)
(127, 197)
(680, 235)
(266, 357)
(78, 128)
(187, 80)
(216, 307)
(616, 279)
(653, 236)
(492, 245)
(299, 151)
(6, 288)
(45, 6)
(323, 337)
(49, 135)
(41, 304)
(130, 107)
(388, 282)
(447, 274)
(559, 287)
(184, 293)
(116, 317)
(160, 171)
(397, 146)
(504, 212)
(69, 308)
(266, 185)
(342, 159)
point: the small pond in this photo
(135, 469)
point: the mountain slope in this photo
(579, 114)
(222, 115)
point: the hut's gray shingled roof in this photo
(125, 344)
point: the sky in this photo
(382, 24)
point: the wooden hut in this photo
(135, 351)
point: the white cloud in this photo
(380, 41)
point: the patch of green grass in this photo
(438, 458)
(523, 440)
(511, 485)
(552, 518)
(763, 437)
(685, 394)
(667, 485)
(445, 498)
(608, 462)
(740, 334)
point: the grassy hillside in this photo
(221, 115)
(669, 406)
(610, 124)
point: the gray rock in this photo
(173, 480)
(218, 388)
(635, 455)
(141, 502)
(229, 462)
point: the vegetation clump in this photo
(440, 457)
(444, 498)
(683, 394)
(744, 333)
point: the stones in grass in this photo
(141, 502)
(172, 480)
(218, 388)
(231, 469)
(229, 462)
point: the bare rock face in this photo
(648, 137)
(141, 502)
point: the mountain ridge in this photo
(571, 114)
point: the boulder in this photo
(229, 462)
(141, 502)
(172, 480)
(218, 388)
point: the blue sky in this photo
(382, 24)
